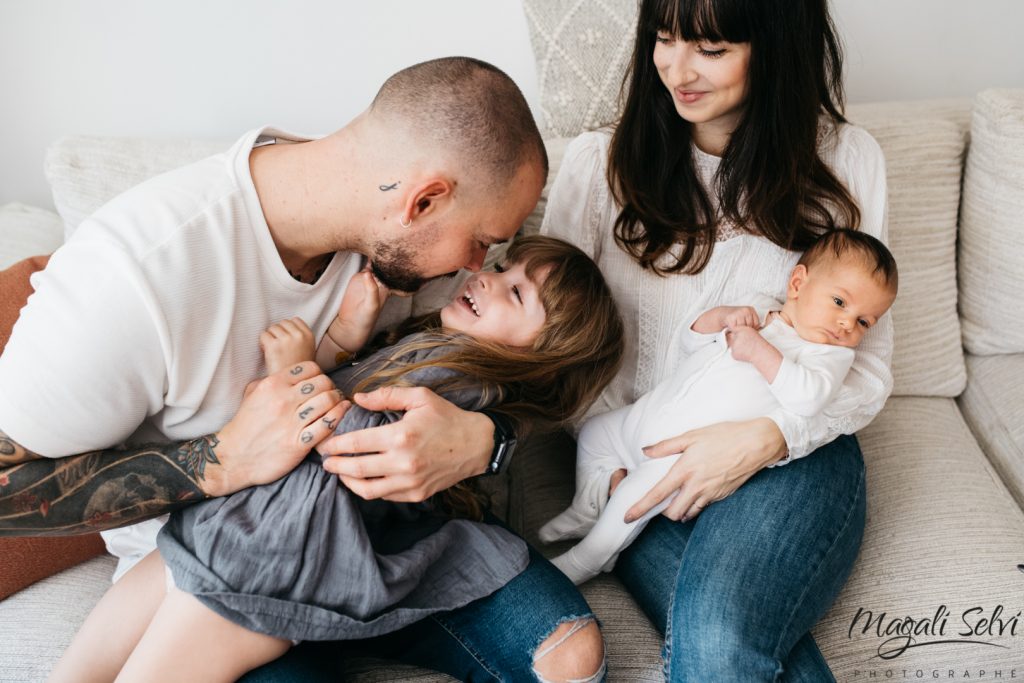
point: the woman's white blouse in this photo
(656, 310)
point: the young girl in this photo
(303, 558)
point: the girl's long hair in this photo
(575, 355)
(771, 180)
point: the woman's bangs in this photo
(714, 21)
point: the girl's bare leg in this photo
(186, 641)
(113, 628)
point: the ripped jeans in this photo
(736, 590)
(492, 639)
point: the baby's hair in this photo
(576, 353)
(841, 243)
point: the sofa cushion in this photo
(37, 624)
(942, 529)
(993, 404)
(923, 165)
(85, 172)
(581, 50)
(541, 486)
(992, 226)
(27, 231)
(23, 561)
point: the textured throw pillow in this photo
(582, 49)
(27, 230)
(992, 226)
(85, 172)
(23, 561)
(923, 159)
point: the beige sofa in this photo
(945, 459)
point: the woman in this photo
(730, 157)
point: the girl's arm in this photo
(360, 307)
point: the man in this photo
(126, 381)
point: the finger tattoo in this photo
(330, 422)
(297, 370)
(305, 413)
(306, 437)
(307, 388)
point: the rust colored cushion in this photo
(23, 561)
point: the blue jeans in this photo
(737, 590)
(491, 639)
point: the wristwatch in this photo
(504, 442)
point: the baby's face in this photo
(835, 303)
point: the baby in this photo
(737, 369)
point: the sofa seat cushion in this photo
(37, 624)
(541, 486)
(994, 407)
(942, 530)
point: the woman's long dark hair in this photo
(771, 181)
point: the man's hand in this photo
(432, 447)
(716, 460)
(282, 417)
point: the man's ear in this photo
(796, 281)
(426, 198)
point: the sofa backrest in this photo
(991, 258)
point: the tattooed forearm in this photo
(13, 454)
(102, 489)
(193, 456)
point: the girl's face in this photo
(501, 306)
(707, 81)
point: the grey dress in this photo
(303, 558)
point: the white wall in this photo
(214, 68)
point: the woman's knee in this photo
(573, 652)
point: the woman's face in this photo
(707, 81)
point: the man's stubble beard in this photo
(393, 265)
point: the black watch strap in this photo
(504, 442)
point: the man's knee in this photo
(573, 652)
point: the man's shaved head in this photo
(468, 108)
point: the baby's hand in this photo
(746, 342)
(364, 298)
(287, 343)
(724, 317)
(740, 316)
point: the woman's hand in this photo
(716, 460)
